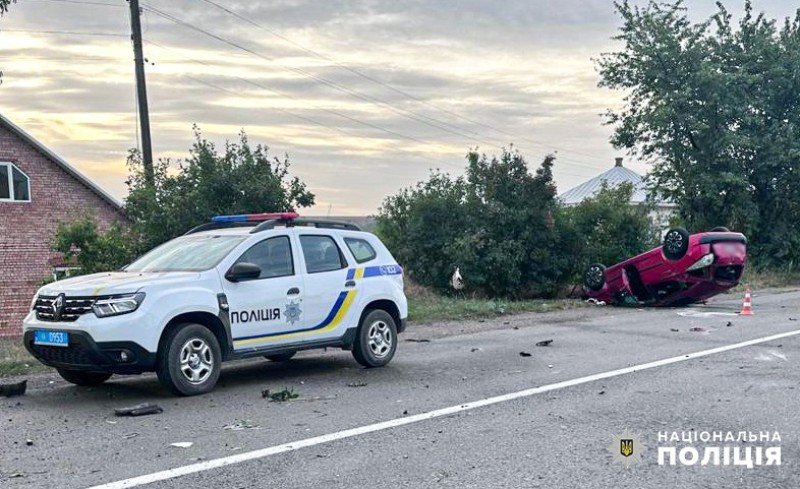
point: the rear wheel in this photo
(377, 339)
(189, 361)
(676, 243)
(280, 357)
(720, 229)
(78, 377)
(595, 276)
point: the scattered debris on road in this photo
(525, 354)
(182, 444)
(545, 343)
(792, 319)
(596, 302)
(601, 393)
(405, 413)
(674, 330)
(16, 475)
(729, 324)
(473, 350)
(29, 442)
(139, 410)
(357, 384)
(696, 329)
(418, 340)
(280, 396)
(11, 390)
(245, 424)
(129, 436)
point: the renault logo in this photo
(58, 306)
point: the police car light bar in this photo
(279, 216)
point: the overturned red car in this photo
(684, 270)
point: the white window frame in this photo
(11, 167)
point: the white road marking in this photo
(394, 423)
(704, 314)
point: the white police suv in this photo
(239, 286)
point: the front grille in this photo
(75, 354)
(74, 307)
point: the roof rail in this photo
(210, 226)
(321, 224)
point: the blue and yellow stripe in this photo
(331, 321)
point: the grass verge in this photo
(758, 279)
(426, 306)
(15, 359)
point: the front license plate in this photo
(51, 338)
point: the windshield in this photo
(186, 254)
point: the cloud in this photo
(475, 73)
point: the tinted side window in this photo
(361, 249)
(321, 254)
(273, 256)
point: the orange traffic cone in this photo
(747, 306)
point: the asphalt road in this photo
(556, 438)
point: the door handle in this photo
(293, 291)
(350, 283)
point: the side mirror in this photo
(243, 271)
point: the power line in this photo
(83, 2)
(384, 84)
(68, 33)
(305, 73)
(238, 46)
(304, 118)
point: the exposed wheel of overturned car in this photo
(676, 243)
(720, 229)
(595, 276)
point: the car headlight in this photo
(702, 262)
(114, 306)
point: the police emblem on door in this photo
(292, 312)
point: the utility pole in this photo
(141, 93)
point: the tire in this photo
(720, 229)
(376, 340)
(676, 243)
(78, 377)
(594, 278)
(189, 360)
(281, 357)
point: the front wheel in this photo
(78, 377)
(189, 360)
(377, 339)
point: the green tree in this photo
(715, 105)
(239, 181)
(92, 250)
(495, 223)
(606, 229)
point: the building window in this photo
(14, 185)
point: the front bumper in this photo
(83, 353)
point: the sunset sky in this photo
(364, 96)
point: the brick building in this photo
(38, 190)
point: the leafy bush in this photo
(606, 228)
(495, 223)
(92, 250)
(239, 181)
